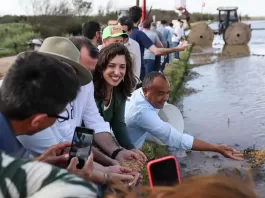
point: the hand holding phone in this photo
(86, 171)
(81, 145)
(163, 172)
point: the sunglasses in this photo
(61, 118)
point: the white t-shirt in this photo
(179, 31)
(171, 29)
(135, 52)
(82, 108)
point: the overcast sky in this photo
(250, 7)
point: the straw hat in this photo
(171, 114)
(62, 48)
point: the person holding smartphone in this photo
(82, 108)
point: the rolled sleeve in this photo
(91, 117)
(149, 121)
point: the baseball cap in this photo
(113, 31)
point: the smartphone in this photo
(163, 172)
(81, 145)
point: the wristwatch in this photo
(116, 152)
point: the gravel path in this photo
(4, 64)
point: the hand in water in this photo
(229, 152)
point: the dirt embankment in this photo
(5, 64)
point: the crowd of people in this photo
(109, 81)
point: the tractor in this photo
(226, 16)
(229, 25)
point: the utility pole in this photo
(137, 2)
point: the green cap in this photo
(113, 31)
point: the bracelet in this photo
(107, 177)
(115, 153)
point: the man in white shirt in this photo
(141, 117)
(178, 34)
(127, 25)
(83, 108)
(170, 28)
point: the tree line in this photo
(68, 17)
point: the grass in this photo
(15, 33)
(175, 73)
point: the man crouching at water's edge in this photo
(141, 118)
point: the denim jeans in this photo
(176, 54)
(149, 65)
(142, 75)
(157, 63)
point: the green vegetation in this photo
(175, 73)
(12, 34)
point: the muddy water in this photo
(230, 105)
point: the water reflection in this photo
(235, 51)
(207, 55)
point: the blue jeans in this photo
(142, 75)
(176, 54)
(149, 65)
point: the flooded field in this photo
(229, 106)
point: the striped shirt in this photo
(20, 178)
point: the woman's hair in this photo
(105, 56)
(208, 186)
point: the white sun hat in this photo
(171, 114)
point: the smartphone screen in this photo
(81, 145)
(164, 172)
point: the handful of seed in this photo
(257, 157)
(133, 164)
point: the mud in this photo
(229, 106)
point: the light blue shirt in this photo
(166, 34)
(142, 118)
